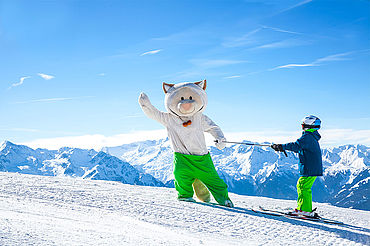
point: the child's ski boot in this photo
(311, 214)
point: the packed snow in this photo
(45, 210)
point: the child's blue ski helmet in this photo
(310, 122)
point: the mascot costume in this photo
(186, 124)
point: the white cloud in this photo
(21, 80)
(152, 52)
(296, 5)
(319, 61)
(101, 74)
(96, 141)
(330, 138)
(45, 100)
(46, 76)
(282, 44)
(336, 57)
(294, 65)
(281, 30)
(333, 137)
(57, 99)
(249, 39)
(233, 77)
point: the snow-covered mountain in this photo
(72, 162)
(252, 170)
(248, 170)
(152, 156)
(41, 210)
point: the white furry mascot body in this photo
(186, 124)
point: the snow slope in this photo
(44, 210)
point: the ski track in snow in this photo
(40, 210)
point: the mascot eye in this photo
(182, 98)
(191, 98)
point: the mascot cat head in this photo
(185, 99)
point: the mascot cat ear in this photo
(166, 87)
(202, 84)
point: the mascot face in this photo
(185, 99)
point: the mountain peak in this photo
(12, 146)
(5, 144)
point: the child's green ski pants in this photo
(190, 167)
(304, 185)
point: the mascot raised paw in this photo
(186, 124)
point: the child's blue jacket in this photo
(308, 148)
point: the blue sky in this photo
(74, 69)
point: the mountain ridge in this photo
(74, 162)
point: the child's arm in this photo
(151, 111)
(211, 127)
(296, 146)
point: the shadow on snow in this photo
(342, 232)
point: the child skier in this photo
(310, 162)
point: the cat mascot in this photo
(186, 124)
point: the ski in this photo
(290, 215)
(203, 203)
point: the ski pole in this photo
(251, 144)
(263, 145)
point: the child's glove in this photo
(220, 144)
(277, 147)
